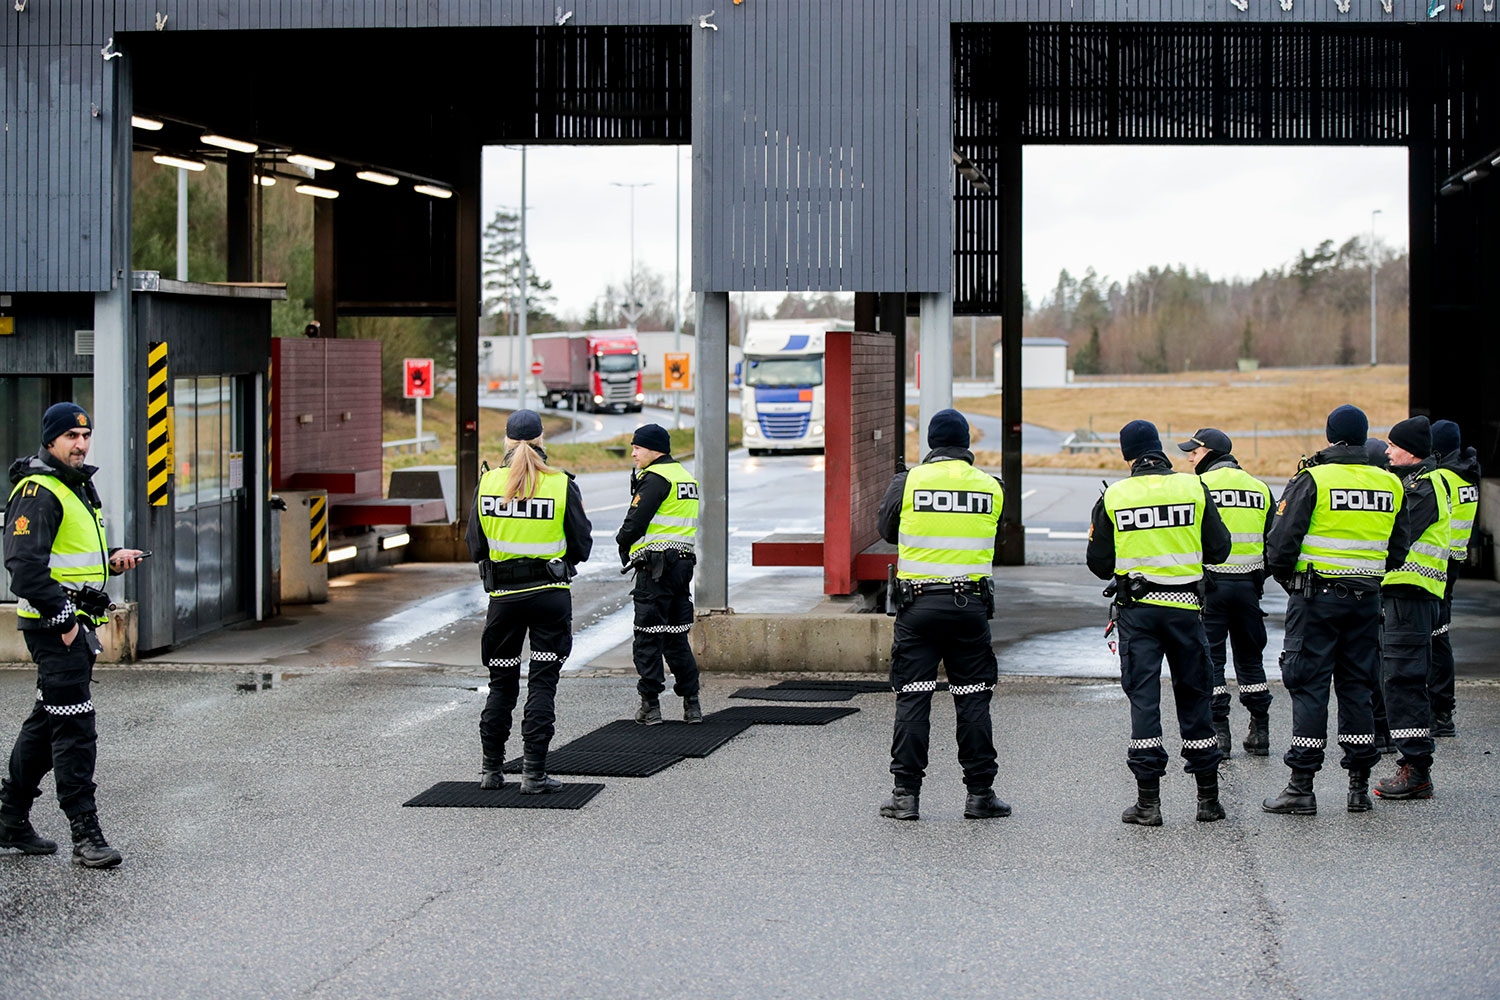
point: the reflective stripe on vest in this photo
(1465, 509)
(675, 523)
(949, 511)
(1353, 514)
(1158, 525)
(79, 553)
(524, 528)
(1426, 564)
(1243, 502)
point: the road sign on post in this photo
(418, 378)
(677, 375)
(536, 367)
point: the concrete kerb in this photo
(118, 637)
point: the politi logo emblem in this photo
(1167, 515)
(1379, 501)
(1239, 498)
(538, 509)
(953, 501)
(687, 491)
(21, 526)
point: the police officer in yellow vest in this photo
(1459, 468)
(528, 532)
(1339, 525)
(1151, 534)
(58, 561)
(657, 539)
(1231, 601)
(1412, 593)
(943, 516)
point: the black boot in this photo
(902, 804)
(1147, 808)
(1442, 724)
(1410, 782)
(648, 713)
(492, 773)
(534, 779)
(90, 849)
(1297, 799)
(20, 834)
(982, 804)
(692, 711)
(1221, 732)
(1258, 739)
(1359, 791)
(1209, 809)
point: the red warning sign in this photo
(418, 378)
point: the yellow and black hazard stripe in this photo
(317, 528)
(158, 426)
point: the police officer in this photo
(1231, 602)
(657, 539)
(943, 516)
(1152, 534)
(59, 562)
(528, 533)
(1339, 525)
(1412, 594)
(1375, 449)
(1460, 470)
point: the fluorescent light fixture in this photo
(311, 162)
(1451, 189)
(149, 124)
(395, 541)
(315, 191)
(432, 191)
(1474, 175)
(342, 553)
(265, 180)
(1495, 162)
(376, 177)
(178, 161)
(224, 142)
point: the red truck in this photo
(599, 369)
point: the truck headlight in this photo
(817, 429)
(640, 397)
(751, 430)
(598, 399)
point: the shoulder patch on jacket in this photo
(29, 490)
(635, 501)
(1281, 508)
(21, 526)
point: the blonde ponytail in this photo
(526, 465)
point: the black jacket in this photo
(1421, 509)
(1217, 460)
(646, 496)
(28, 543)
(1101, 551)
(1465, 463)
(578, 533)
(1294, 515)
(889, 519)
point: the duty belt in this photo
(972, 588)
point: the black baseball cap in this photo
(1208, 437)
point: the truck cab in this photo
(781, 394)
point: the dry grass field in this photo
(1277, 399)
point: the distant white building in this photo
(1044, 363)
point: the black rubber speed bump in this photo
(853, 687)
(468, 795)
(794, 694)
(780, 715)
(678, 738)
(602, 763)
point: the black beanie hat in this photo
(948, 429)
(1413, 434)
(1348, 425)
(1137, 438)
(653, 436)
(523, 425)
(1375, 450)
(62, 417)
(1446, 437)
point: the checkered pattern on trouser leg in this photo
(1406, 662)
(1331, 640)
(1148, 636)
(663, 623)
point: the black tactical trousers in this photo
(1332, 635)
(1232, 617)
(954, 630)
(663, 619)
(1148, 633)
(1440, 678)
(59, 733)
(1405, 659)
(548, 616)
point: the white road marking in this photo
(1028, 493)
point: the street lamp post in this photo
(677, 290)
(1372, 286)
(525, 369)
(633, 309)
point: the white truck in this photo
(781, 379)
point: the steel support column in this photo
(935, 363)
(239, 199)
(325, 268)
(711, 449)
(893, 321)
(1013, 538)
(467, 297)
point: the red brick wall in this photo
(325, 379)
(859, 381)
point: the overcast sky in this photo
(1226, 210)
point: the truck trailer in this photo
(592, 369)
